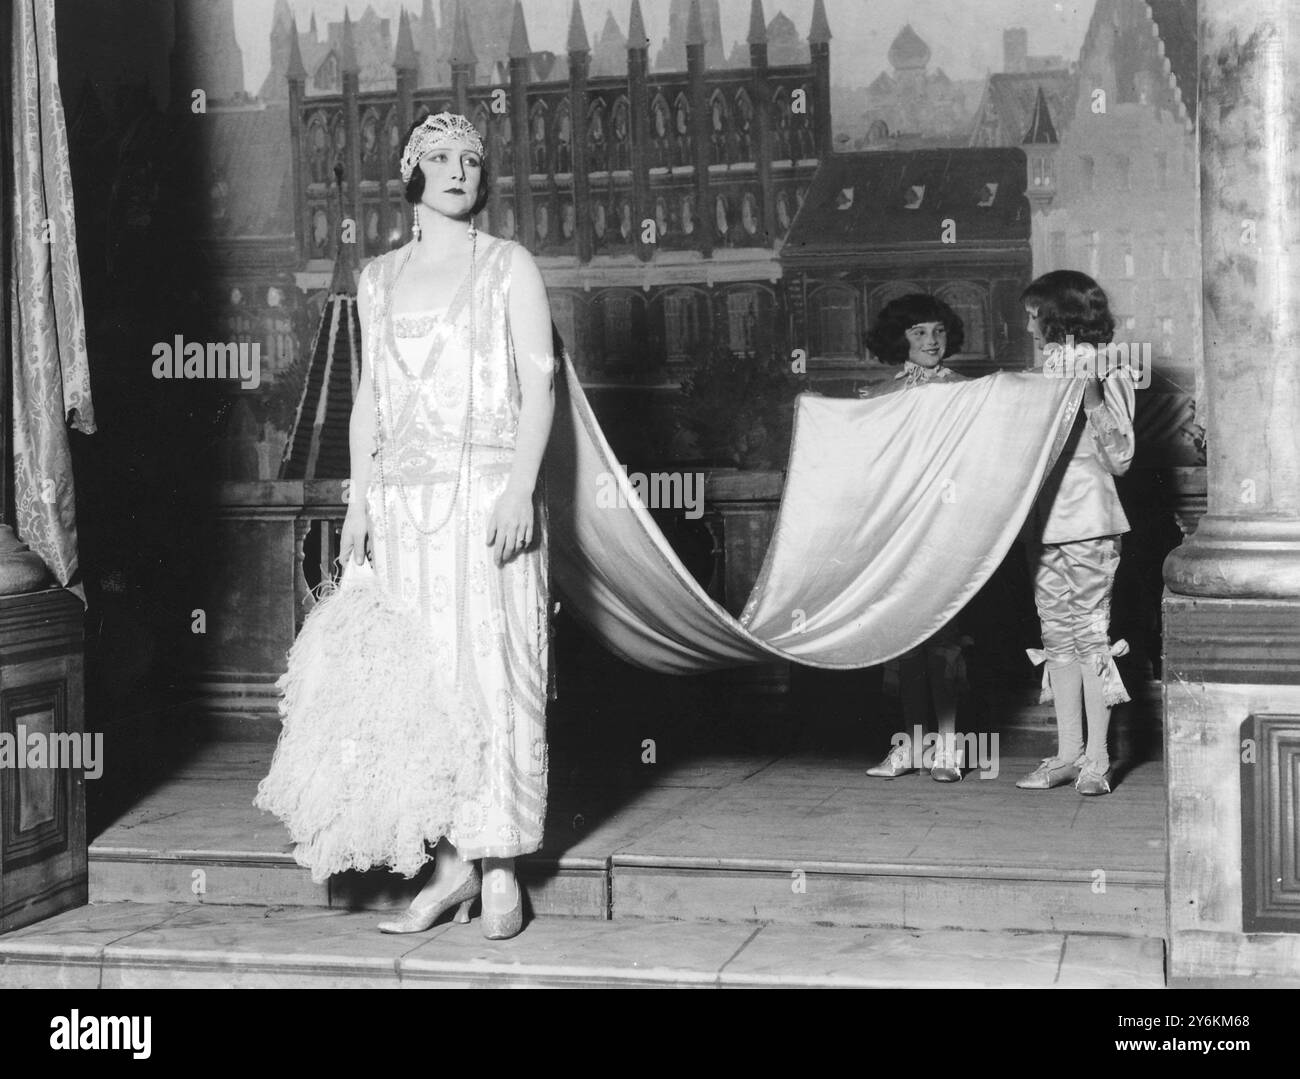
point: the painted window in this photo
(969, 303)
(742, 319)
(835, 322)
(564, 316)
(1123, 172)
(683, 335)
(617, 323)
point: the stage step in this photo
(168, 945)
(571, 886)
(924, 897)
(796, 838)
(720, 889)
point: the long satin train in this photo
(896, 510)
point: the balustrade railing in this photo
(280, 539)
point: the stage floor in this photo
(799, 837)
(800, 809)
(718, 870)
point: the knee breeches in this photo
(1072, 589)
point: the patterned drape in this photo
(51, 375)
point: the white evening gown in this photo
(458, 749)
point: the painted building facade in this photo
(876, 225)
(911, 101)
(655, 201)
(1111, 151)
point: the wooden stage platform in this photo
(714, 838)
(796, 844)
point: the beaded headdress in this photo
(440, 128)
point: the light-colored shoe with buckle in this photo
(1092, 780)
(1053, 772)
(898, 763)
(946, 768)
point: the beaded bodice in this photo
(422, 367)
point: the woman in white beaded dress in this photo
(448, 430)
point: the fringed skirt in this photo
(414, 701)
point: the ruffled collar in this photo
(915, 374)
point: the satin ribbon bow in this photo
(914, 373)
(1112, 686)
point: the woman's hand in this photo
(356, 533)
(510, 528)
(1053, 359)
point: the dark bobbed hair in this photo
(415, 185)
(1071, 304)
(887, 339)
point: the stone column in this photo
(1248, 543)
(1232, 609)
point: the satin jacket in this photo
(1078, 500)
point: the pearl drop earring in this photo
(415, 222)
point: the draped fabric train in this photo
(896, 511)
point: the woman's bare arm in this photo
(361, 446)
(511, 527)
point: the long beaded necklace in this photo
(465, 448)
(469, 402)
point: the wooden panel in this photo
(1270, 825)
(42, 798)
(1203, 750)
(35, 796)
(1232, 641)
